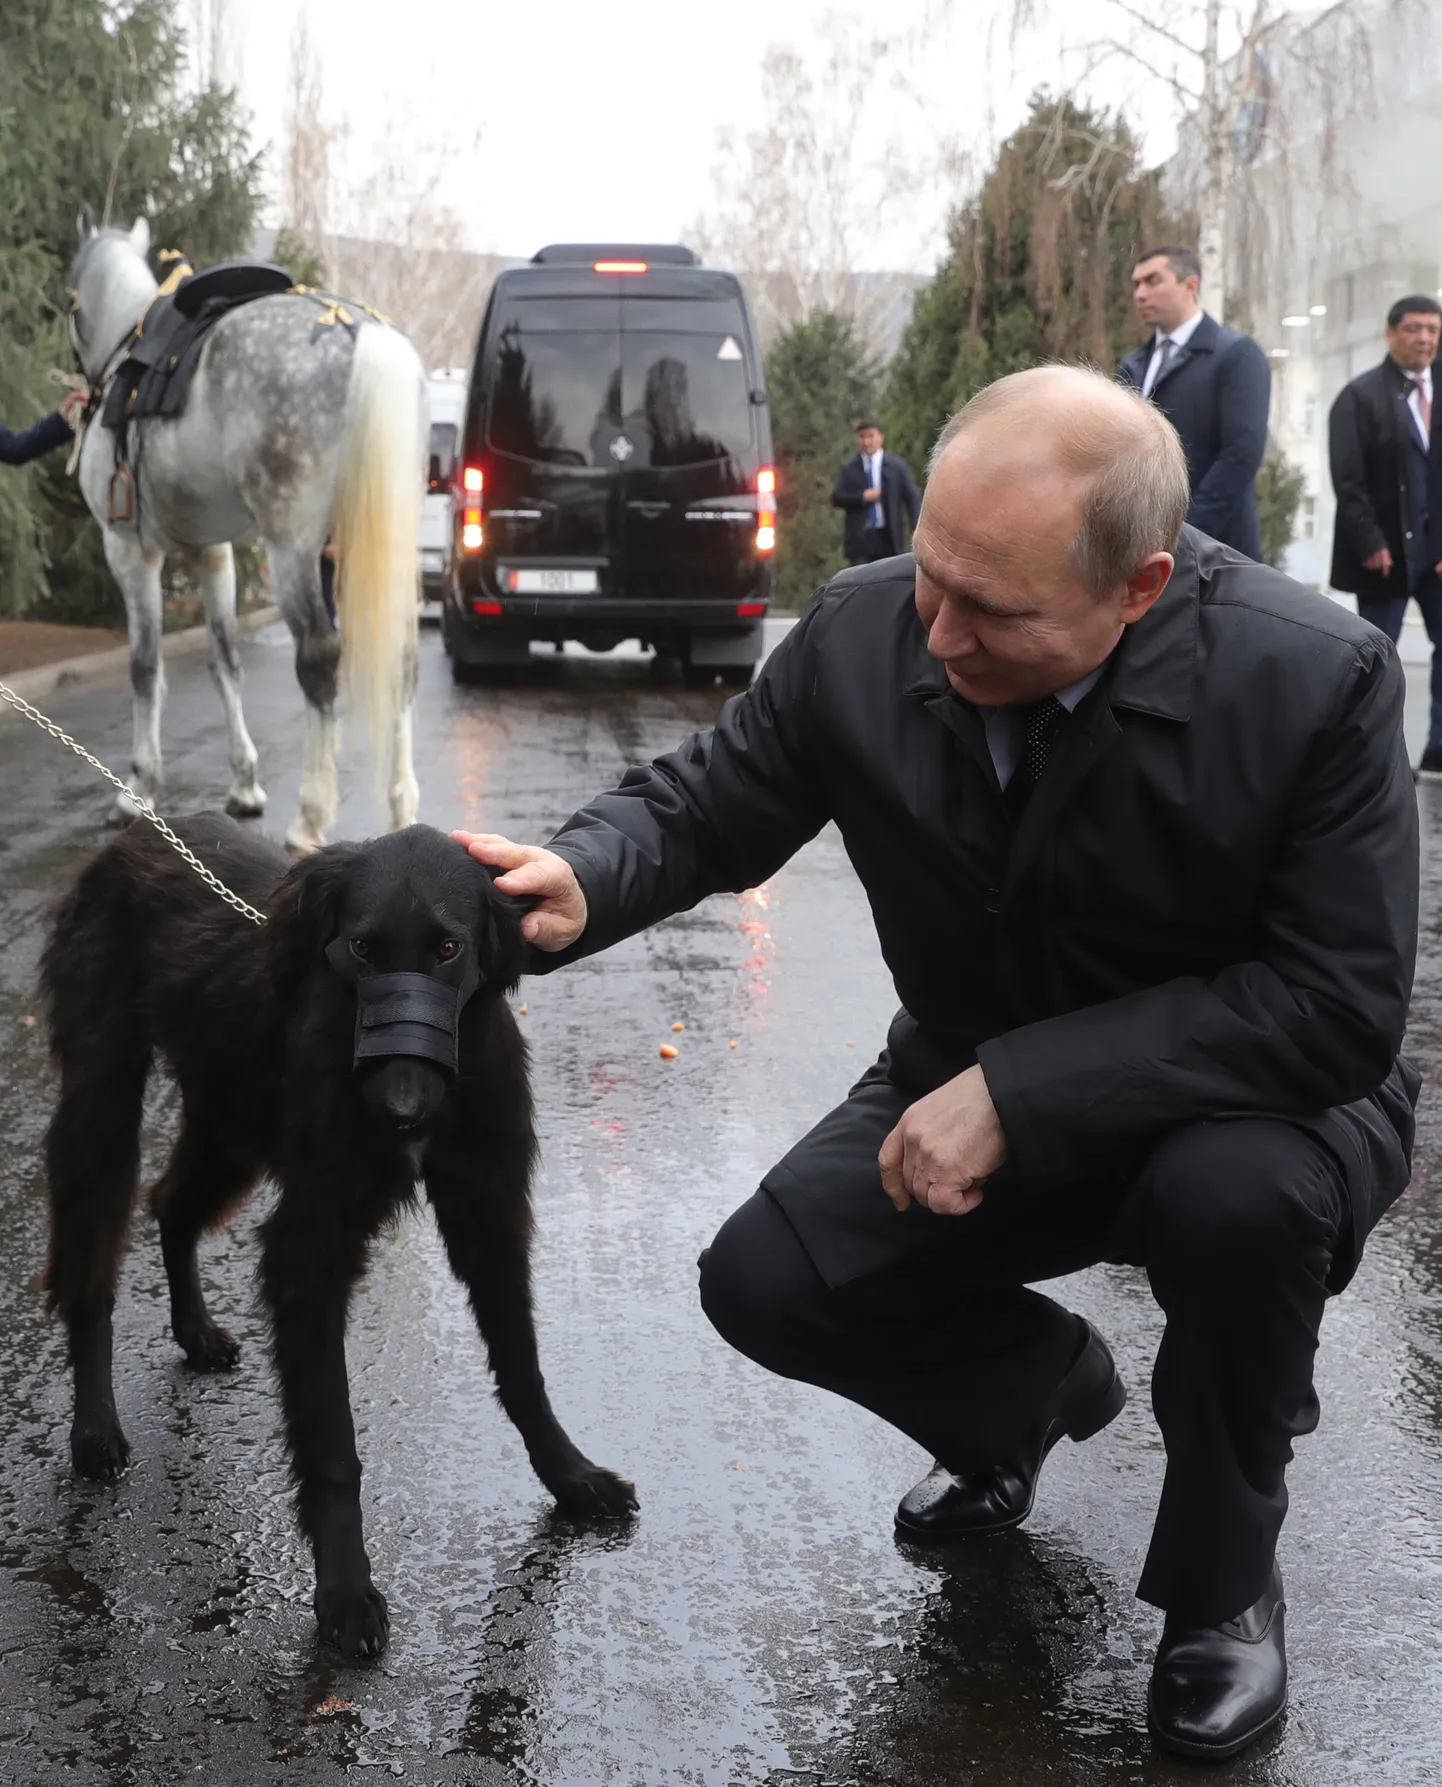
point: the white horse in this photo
(292, 433)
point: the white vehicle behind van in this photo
(446, 391)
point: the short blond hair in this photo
(1138, 490)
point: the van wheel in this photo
(737, 676)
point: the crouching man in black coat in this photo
(1136, 822)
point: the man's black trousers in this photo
(1234, 1222)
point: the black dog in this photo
(357, 1041)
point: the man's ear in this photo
(305, 910)
(140, 236)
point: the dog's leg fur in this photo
(203, 1183)
(309, 1266)
(92, 1152)
(485, 1227)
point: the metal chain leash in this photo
(143, 807)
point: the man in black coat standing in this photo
(874, 487)
(1387, 543)
(20, 446)
(1213, 385)
(1137, 828)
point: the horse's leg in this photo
(214, 569)
(296, 580)
(138, 574)
(404, 790)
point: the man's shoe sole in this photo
(1179, 1746)
(1101, 1414)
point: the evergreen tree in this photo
(93, 108)
(1037, 268)
(822, 383)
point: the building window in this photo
(1309, 416)
(1309, 516)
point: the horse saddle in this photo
(154, 377)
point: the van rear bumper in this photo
(635, 616)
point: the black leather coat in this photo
(1209, 907)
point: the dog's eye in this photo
(449, 950)
(360, 949)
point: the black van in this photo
(616, 478)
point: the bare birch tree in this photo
(384, 237)
(1259, 94)
(801, 204)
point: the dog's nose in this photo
(405, 1093)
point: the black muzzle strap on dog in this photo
(407, 1014)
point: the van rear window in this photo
(562, 397)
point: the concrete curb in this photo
(94, 667)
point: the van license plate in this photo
(551, 583)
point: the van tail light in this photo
(473, 484)
(749, 610)
(619, 267)
(766, 511)
(489, 607)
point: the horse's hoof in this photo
(355, 1621)
(303, 839)
(99, 1453)
(245, 804)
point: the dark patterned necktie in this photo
(1040, 723)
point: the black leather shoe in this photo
(1216, 1689)
(972, 1504)
(1430, 763)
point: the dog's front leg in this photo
(487, 1241)
(308, 1300)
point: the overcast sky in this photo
(601, 120)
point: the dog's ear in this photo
(500, 947)
(305, 910)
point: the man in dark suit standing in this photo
(1387, 543)
(1214, 387)
(873, 488)
(1136, 825)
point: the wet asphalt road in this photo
(758, 1623)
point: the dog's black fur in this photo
(146, 961)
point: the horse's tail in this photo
(375, 526)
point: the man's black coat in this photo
(898, 491)
(1215, 393)
(1373, 472)
(1209, 908)
(19, 446)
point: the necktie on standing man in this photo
(1041, 721)
(1167, 348)
(1424, 403)
(877, 517)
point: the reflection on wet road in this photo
(759, 1623)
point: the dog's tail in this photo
(90, 979)
(375, 527)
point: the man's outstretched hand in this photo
(559, 914)
(945, 1148)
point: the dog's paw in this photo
(208, 1348)
(100, 1453)
(354, 1620)
(592, 1492)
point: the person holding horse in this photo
(20, 446)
